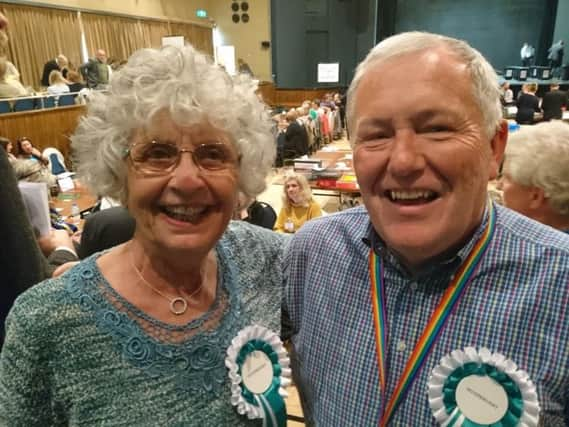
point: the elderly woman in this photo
(137, 335)
(298, 204)
(535, 175)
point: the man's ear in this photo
(498, 146)
(537, 198)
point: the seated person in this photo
(57, 84)
(30, 165)
(296, 138)
(28, 152)
(9, 87)
(554, 102)
(75, 82)
(535, 176)
(298, 204)
(8, 148)
(507, 97)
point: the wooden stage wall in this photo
(290, 97)
(45, 128)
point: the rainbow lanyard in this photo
(436, 323)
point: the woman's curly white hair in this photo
(187, 84)
(538, 156)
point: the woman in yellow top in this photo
(298, 204)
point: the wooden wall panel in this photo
(267, 92)
(45, 128)
(290, 97)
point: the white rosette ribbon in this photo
(470, 361)
(268, 405)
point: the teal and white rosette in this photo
(259, 370)
(474, 388)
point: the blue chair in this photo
(56, 160)
(5, 107)
(25, 104)
(65, 100)
(56, 166)
(49, 102)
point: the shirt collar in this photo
(374, 241)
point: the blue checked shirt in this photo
(517, 304)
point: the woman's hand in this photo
(38, 155)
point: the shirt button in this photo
(401, 346)
(414, 286)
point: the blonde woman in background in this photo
(298, 204)
(57, 84)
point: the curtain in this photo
(117, 35)
(153, 31)
(120, 36)
(199, 37)
(37, 35)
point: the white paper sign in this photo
(177, 41)
(329, 73)
(66, 184)
(226, 58)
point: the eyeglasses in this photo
(156, 157)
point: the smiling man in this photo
(429, 269)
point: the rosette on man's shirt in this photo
(475, 388)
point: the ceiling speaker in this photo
(235, 18)
(245, 17)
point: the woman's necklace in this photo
(179, 304)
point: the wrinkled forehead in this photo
(173, 127)
(437, 59)
(436, 70)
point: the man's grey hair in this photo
(62, 59)
(191, 88)
(485, 88)
(538, 156)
